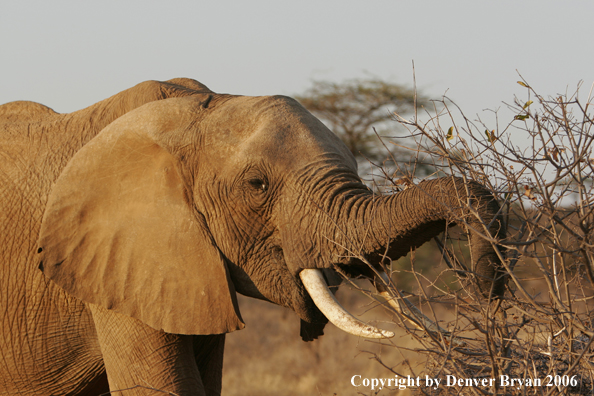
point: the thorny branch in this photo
(540, 166)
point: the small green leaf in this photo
(450, 134)
(522, 117)
(522, 83)
(528, 104)
(491, 135)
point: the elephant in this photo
(129, 226)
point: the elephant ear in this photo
(120, 231)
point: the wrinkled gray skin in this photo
(128, 226)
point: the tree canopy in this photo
(353, 108)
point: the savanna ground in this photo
(541, 333)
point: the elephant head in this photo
(178, 204)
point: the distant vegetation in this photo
(361, 111)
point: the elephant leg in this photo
(209, 350)
(142, 359)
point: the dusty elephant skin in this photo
(129, 226)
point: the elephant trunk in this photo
(392, 225)
(356, 223)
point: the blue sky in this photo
(69, 55)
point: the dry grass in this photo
(269, 358)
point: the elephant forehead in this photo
(294, 145)
(276, 127)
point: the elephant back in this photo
(24, 111)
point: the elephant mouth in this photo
(323, 298)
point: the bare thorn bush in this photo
(539, 164)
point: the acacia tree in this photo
(352, 109)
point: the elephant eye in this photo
(258, 184)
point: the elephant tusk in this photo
(316, 286)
